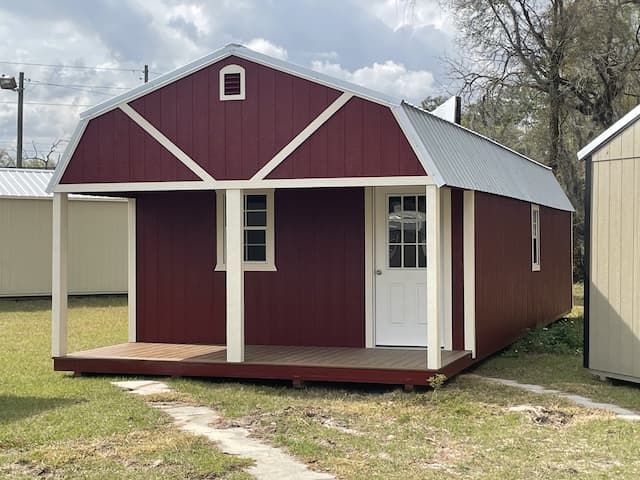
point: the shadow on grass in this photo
(14, 408)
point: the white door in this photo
(400, 267)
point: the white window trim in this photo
(267, 266)
(227, 70)
(535, 246)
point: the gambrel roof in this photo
(450, 154)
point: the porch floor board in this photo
(370, 365)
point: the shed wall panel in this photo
(97, 247)
(362, 139)
(316, 297)
(114, 148)
(614, 304)
(234, 139)
(510, 297)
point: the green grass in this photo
(56, 426)
(53, 425)
(552, 356)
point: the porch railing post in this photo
(235, 275)
(59, 287)
(131, 275)
(434, 269)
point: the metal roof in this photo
(32, 183)
(25, 182)
(466, 159)
(610, 132)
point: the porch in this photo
(402, 366)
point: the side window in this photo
(258, 249)
(535, 238)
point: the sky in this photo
(393, 46)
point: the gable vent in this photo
(232, 83)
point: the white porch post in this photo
(59, 278)
(235, 276)
(434, 268)
(131, 283)
(469, 258)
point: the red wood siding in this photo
(234, 139)
(180, 298)
(113, 148)
(317, 295)
(315, 298)
(457, 269)
(510, 298)
(362, 139)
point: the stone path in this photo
(270, 462)
(619, 412)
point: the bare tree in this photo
(6, 160)
(47, 160)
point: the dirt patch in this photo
(26, 469)
(543, 415)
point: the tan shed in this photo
(97, 238)
(612, 250)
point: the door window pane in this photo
(395, 256)
(255, 253)
(409, 225)
(255, 237)
(422, 201)
(409, 255)
(395, 220)
(422, 255)
(256, 202)
(256, 219)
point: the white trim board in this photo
(166, 143)
(245, 184)
(299, 139)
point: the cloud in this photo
(388, 77)
(262, 45)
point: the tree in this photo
(547, 75)
(47, 160)
(5, 159)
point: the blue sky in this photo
(394, 46)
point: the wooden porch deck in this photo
(366, 365)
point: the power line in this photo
(51, 104)
(50, 65)
(37, 82)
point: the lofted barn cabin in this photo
(284, 224)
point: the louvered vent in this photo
(232, 84)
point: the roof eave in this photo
(610, 132)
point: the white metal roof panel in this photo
(468, 160)
(610, 132)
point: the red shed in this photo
(286, 224)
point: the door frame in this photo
(370, 214)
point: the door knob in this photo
(378, 272)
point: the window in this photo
(535, 238)
(232, 83)
(258, 231)
(406, 226)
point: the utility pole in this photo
(20, 104)
(146, 73)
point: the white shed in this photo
(97, 238)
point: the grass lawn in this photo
(53, 425)
(85, 428)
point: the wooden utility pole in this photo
(146, 73)
(20, 104)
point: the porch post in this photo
(469, 240)
(235, 276)
(59, 278)
(434, 269)
(131, 281)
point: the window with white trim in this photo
(258, 252)
(535, 238)
(232, 84)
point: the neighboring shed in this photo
(97, 238)
(612, 250)
(287, 224)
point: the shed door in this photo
(400, 267)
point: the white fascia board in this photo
(66, 156)
(621, 124)
(247, 54)
(417, 145)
